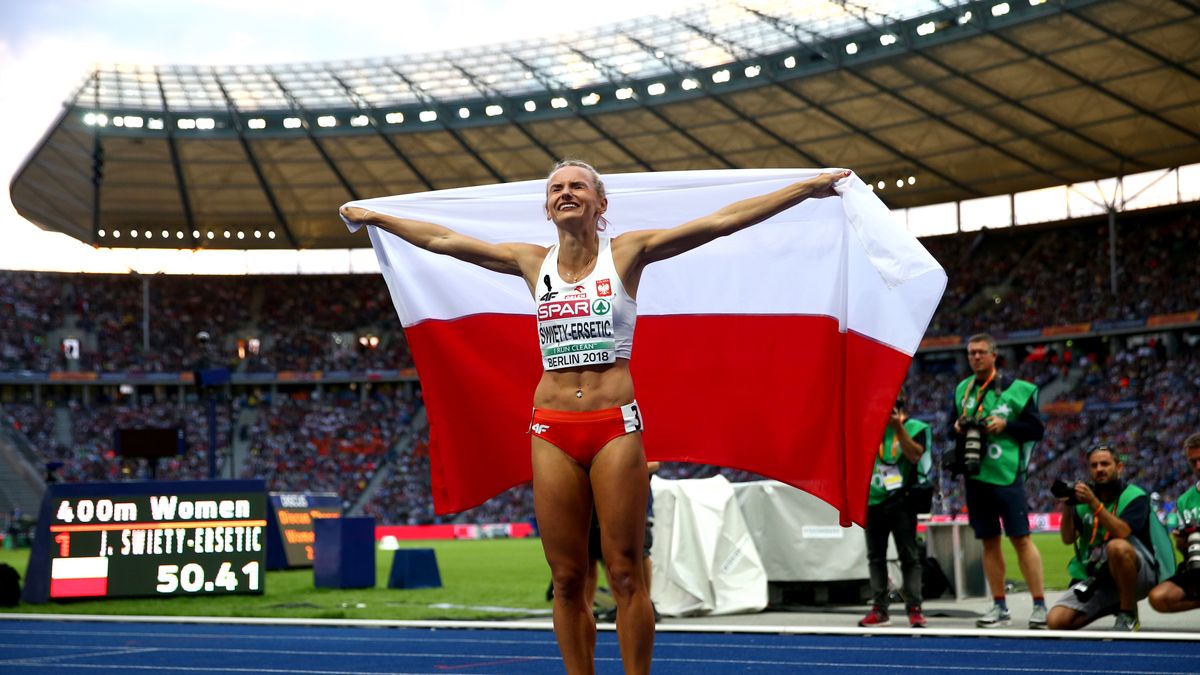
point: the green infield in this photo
(486, 579)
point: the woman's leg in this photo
(620, 485)
(562, 500)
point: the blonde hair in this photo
(597, 183)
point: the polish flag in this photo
(778, 350)
(78, 577)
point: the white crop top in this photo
(585, 323)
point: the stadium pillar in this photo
(1112, 250)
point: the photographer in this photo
(1108, 522)
(1182, 591)
(996, 428)
(901, 472)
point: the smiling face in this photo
(572, 198)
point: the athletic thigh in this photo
(620, 487)
(562, 502)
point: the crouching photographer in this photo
(1182, 591)
(1109, 523)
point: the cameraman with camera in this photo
(996, 428)
(898, 493)
(1108, 522)
(1182, 591)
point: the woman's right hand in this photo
(355, 214)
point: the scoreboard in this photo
(290, 537)
(108, 540)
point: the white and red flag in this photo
(777, 350)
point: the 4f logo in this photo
(539, 428)
(548, 296)
(604, 288)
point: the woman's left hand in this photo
(822, 185)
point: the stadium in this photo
(1046, 154)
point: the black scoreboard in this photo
(290, 537)
(108, 540)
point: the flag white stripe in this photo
(79, 568)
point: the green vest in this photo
(1188, 505)
(1005, 459)
(1164, 549)
(891, 454)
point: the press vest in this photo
(1163, 550)
(1005, 458)
(892, 455)
(1188, 505)
(589, 322)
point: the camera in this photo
(972, 441)
(1191, 555)
(1097, 573)
(1064, 490)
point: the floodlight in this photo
(464, 112)
(100, 233)
(658, 54)
(789, 62)
(1000, 9)
(90, 119)
(887, 39)
(926, 28)
(210, 234)
(155, 123)
(428, 115)
(965, 17)
(166, 235)
(291, 123)
(185, 123)
(257, 123)
(205, 123)
(394, 117)
(912, 180)
(624, 93)
(359, 121)
(133, 233)
(134, 122)
(327, 121)
(880, 185)
(591, 99)
(271, 234)
(118, 121)
(241, 235)
(656, 89)
(116, 234)
(690, 84)
(558, 102)
(101, 119)
(530, 106)
(852, 48)
(720, 76)
(258, 234)
(226, 234)
(493, 110)
(179, 234)
(195, 234)
(899, 183)
(148, 234)
(752, 71)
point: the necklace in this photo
(572, 277)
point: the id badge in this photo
(892, 480)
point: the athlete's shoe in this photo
(995, 618)
(876, 618)
(915, 618)
(1037, 618)
(1127, 623)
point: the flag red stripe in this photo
(79, 588)
(788, 397)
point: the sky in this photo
(47, 47)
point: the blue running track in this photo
(78, 647)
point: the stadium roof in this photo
(968, 99)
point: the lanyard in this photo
(1096, 526)
(895, 442)
(966, 394)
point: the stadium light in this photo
(226, 234)
(90, 119)
(427, 115)
(720, 76)
(464, 112)
(100, 233)
(1035, 3)
(1000, 9)
(965, 17)
(101, 119)
(133, 233)
(852, 48)
(205, 123)
(656, 89)
(899, 182)
(211, 234)
(591, 99)
(624, 93)
(926, 28)
(195, 234)
(241, 235)
(327, 121)
(530, 106)
(753, 71)
(493, 110)
(912, 180)
(256, 123)
(116, 234)
(789, 62)
(258, 234)
(887, 39)
(291, 123)
(134, 122)
(359, 121)
(166, 235)
(658, 54)
(179, 234)
(185, 123)
(880, 185)
(118, 121)
(155, 123)
(148, 234)
(394, 118)
(690, 84)
(558, 102)
(271, 234)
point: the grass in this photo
(497, 573)
(500, 573)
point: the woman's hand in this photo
(822, 185)
(355, 214)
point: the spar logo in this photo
(601, 307)
(563, 309)
(604, 288)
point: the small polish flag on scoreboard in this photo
(778, 349)
(78, 577)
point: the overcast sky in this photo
(48, 46)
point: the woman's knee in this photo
(569, 580)
(624, 576)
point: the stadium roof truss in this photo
(968, 99)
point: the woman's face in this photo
(571, 197)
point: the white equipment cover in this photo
(705, 562)
(798, 536)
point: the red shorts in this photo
(582, 434)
